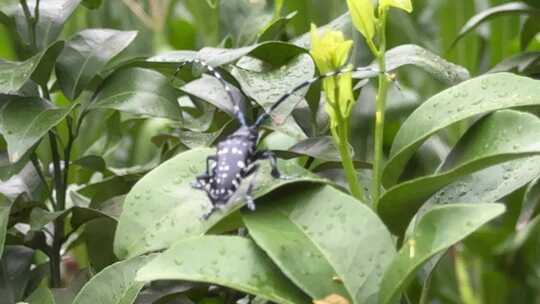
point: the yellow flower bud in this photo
(330, 51)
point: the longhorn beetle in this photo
(237, 154)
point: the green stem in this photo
(35, 162)
(348, 165)
(464, 284)
(29, 22)
(341, 137)
(55, 256)
(379, 113)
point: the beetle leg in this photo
(250, 201)
(207, 215)
(269, 155)
(208, 160)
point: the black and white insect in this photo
(237, 155)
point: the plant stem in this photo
(29, 22)
(341, 137)
(464, 285)
(348, 166)
(55, 256)
(379, 113)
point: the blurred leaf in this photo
(314, 237)
(405, 5)
(25, 120)
(222, 260)
(266, 85)
(530, 203)
(139, 91)
(5, 208)
(503, 35)
(512, 8)
(363, 17)
(210, 89)
(437, 230)
(499, 137)
(15, 272)
(451, 15)
(114, 284)
(39, 218)
(85, 55)
(99, 237)
(92, 4)
(25, 182)
(480, 95)
(52, 16)
(529, 30)
(276, 28)
(519, 62)
(244, 19)
(162, 207)
(273, 52)
(14, 74)
(42, 295)
(411, 54)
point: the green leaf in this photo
(500, 137)
(266, 85)
(314, 237)
(411, 54)
(520, 63)
(5, 208)
(52, 16)
(530, 203)
(222, 260)
(92, 4)
(163, 208)
(14, 74)
(405, 5)
(512, 8)
(530, 29)
(25, 120)
(42, 295)
(139, 91)
(480, 95)
(437, 230)
(363, 17)
(210, 89)
(15, 271)
(276, 28)
(273, 52)
(99, 238)
(114, 284)
(85, 55)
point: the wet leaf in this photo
(222, 260)
(25, 120)
(266, 84)
(437, 230)
(477, 96)
(141, 92)
(85, 55)
(114, 285)
(498, 138)
(315, 235)
(511, 8)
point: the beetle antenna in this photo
(237, 112)
(266, 114)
